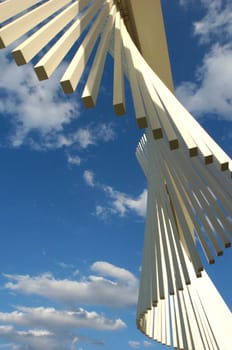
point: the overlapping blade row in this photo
(62, 23)
(189, 175)
(193, 319)
(186, 207)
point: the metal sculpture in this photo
(188, 174)
(175, 306)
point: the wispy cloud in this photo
(117, 203)
(63, 265)
(211, 93)
(82, 138)
(121, 203)
(216, 23)
(74, 159)
(88, 176)
(147, 344)
(134, 344)
(138, 345)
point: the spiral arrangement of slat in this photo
(195, 318)
(186, 207)
(61, 23)
(189, 175)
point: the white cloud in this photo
(121, 203)
(211, 93)
(73, 160)
(88, 176)
(27, 341)
(63, 265)
(118, 203)
(40, 113)
(33, 105)
(93, 134)
(105, 132)
(47, 321)
(106, 269)
(134, 344)
(137, 345)
(114, 291)
(53, 328)
(84, 137)
(147, 344)
(217, 22)
(103, 212)
(36, 332)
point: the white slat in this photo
(75, 69)
(118, 89)
(90, 93)
(31, 46)
(50, 61)
(14, 30)
(10, 8)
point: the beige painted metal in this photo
(14, 30)
(50, 61)
(189, 323)
(75, 69)
(189, 124)
(119, 90)
(137, 98)
(148, 28)
(89, 95)
(191, 317)
(174, 113)
(10, 8)
(186, 190)
(31, 46)
(154, 120)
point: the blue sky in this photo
(73, 196)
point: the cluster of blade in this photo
(184, 201)
(189, 175)
(53, 28)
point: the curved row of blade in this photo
(187, 198)
(186, 207)
(193, 319)
(51, 29)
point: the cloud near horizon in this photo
(118, 290)
(40, 339)
(134, 344)
(61, 327)
(52, 320)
